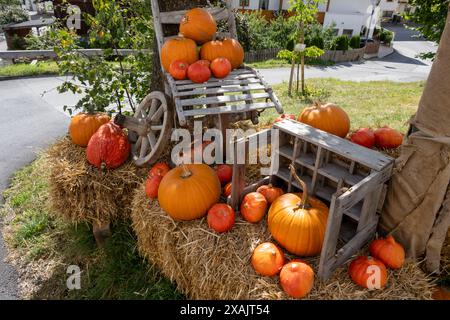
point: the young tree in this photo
(429, 19)
(305, 13)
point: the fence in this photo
(261, 55)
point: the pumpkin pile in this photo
(382, 138)
(183, 59)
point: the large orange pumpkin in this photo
(390, 252)
(327, 117)
(84, 125)
(108, 147)
(298, 224)
(179, 48)
(297, 278)
(267, 259)
(368, 272)
(188, 191)
(198, 25)
(226, 48)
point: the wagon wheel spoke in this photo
(154, 110)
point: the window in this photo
(347, 32)
(388, 14)
(264, 4)
(244, 3)
(335, 32)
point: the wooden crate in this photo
(351, 179)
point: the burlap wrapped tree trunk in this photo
(417, 207)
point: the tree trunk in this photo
(414, 211)
(157, 80)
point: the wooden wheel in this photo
(154, 112)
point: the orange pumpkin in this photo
(298, 224)
(224, 172)
(220, 217)
(368, 272)
(253, 207)
(199, 25)
(220, 67)
(198, 72)
(84, 125)
(159, 169)
(327, 117)
(388, 251)
(178, 49)
(388, 138)
(152, 185)
(297, 279)
(227, 189)
(270, 192)
(178, 69)
(188, 191)
(108, 147)
(226, 48)
(267, 259)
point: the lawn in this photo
(26, 69)
(45, 246)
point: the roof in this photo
(30, 24)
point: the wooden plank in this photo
(178, 106)
(317, 164)
(335, 173)
(369, 208)
(306, 159)
(217, 84)
(224, 89)
(370, 158)
(174, 17)
(223, 99)
(326, 267)
(228, 109)
(159, 34)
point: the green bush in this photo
(355, 42)
(11, 12)
(341, 43)
(316, 41)
(386, 36)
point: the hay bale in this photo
(80, 192)
(205, 265)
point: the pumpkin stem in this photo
(186, 172)
(304, 204)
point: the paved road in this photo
(28, 123)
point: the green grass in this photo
(26, 69)
(368, 104)
(115, 271)
(280, 63)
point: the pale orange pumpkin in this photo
(270, 192)
(327, 117)
(84, 125)
(199, 25)
(253, 207)
(188, 191)
(389, 251)
(227, 48)
(297, 278)
(179, 48)
(267, 259)
(298, 224)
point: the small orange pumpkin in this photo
(159, 169)
(267, 259)
(230, 49)
(178, 69)
(390, 252)
(220, 217)
(327, 117)
(253, 207)
(152, 185)
(363, 271)
(298, 224)
(270, 192)
(388, 138)
(178, 49)
(297, 279)
(227, 189)
(84, 125)
(188, 191)
(199, 25)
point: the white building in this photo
(389, 8)
(349, 17)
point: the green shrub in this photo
(341, 43)
(11, 12)
(316, 41)
(355, 42)
(386, 36)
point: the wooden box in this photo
(351, 179)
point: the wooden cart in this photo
(242, 95)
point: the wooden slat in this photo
(228, 109)
(335, 172)
(370, 158)
(174, 17)
(223, 89)
(216, 84)
(369, 208)
(223, 99)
